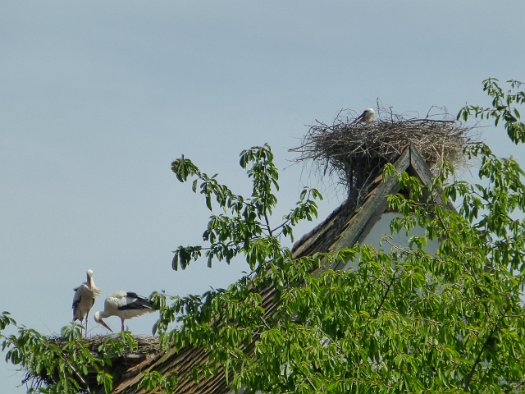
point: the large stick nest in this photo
(356, 152)
(146, 347)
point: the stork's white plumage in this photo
(84, 298)
(368, 116)
(124, 304)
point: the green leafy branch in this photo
(502, 108)
(243, 226)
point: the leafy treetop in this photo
(395, 321)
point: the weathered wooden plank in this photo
(371, 210)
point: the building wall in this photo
(381, 237)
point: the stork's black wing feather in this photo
(138, 303)
(132, 294)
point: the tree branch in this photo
(488, 340)
(376, 312)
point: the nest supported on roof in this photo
(357, 151)
(147, 347)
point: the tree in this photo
(401, 321)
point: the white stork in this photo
(368, 116)
(84, 298)
(124, 304)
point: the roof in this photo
(341, 229)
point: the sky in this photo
(98, 98)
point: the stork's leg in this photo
(122, 326)
(85, 333)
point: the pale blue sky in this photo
(97, 98)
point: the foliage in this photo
(65, 364)
(155, 381)
(247, 228)
(402, 321)
(399, 321)
(503, 107)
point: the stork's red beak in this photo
(104, 324)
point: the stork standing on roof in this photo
(84, 299)
(368, 116)
(124, 304)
